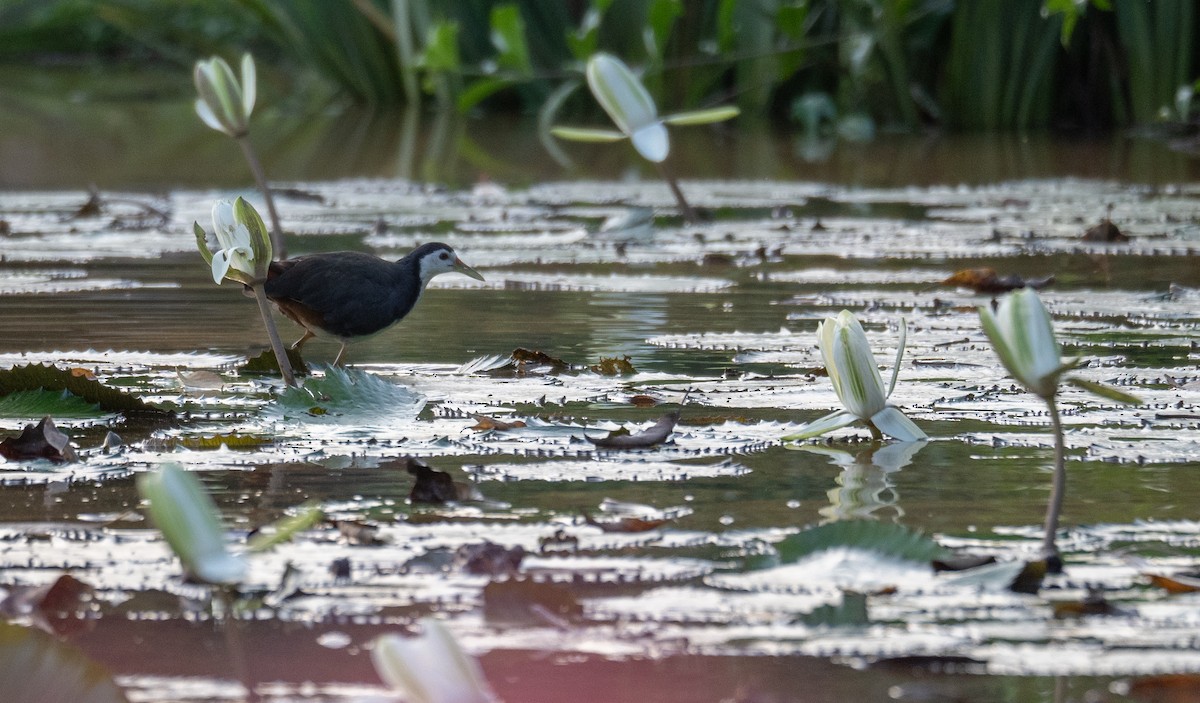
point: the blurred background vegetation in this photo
(849, 67)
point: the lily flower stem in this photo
(261, 179)
(1059, 488)
(285, 366)
(233, 643)
(685, 208)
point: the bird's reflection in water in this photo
(865, 490)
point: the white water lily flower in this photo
(242, 248)
(857, 382)
(632, 110)
(430, 668)
(224, 103)
(187, 518)
(234, 250)
(1022, 334)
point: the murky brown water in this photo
(724, 313)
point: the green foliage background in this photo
(973, 65)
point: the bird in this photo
(348, 294)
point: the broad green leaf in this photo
(345, 392)
(187, 517)
(508, 36)
(882, 538)
(707, 116)
(1104, 391)
(586, 134)
(40, 403)
(32, 377)
(285, 529)
(36, 668)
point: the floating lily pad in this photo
(45, 377)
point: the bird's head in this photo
(435, 258)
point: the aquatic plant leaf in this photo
(698, 117)
(40, 441)
(345, 392)
(885, 539)
(187, 517)
(37, 668)
(997, 576)
(656, 434)
(47, 377)
(284, 529)
(485, 423)
(41, 402)
(587, 134)
(1104, 391)
(430, 668)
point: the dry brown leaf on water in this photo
(643, 401)
(614, 367)
(986, 280)
(1175, 584)
(80, 372)
(484, 423)
(626, 524)
(633, 517)
(527, 359)
(1165, 688)
(1094, 603)
(40, 441)
(656, 434)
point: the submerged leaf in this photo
(351, 392)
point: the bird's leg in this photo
(308, 334)
(341, 355)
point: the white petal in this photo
(224, 223)
(893, 423)
(862, 386)
(249, 84)
(620, 93)
(829, 423)
(431, 668)
(220, 265)
(207, 117)
(652, 142)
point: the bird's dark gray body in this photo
(351, 294)
(346, 294)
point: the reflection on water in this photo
(865, 490)
(47, 141)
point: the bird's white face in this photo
(435, 262)
(444, 261)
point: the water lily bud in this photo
(187, 518)
(430, 668)
(857, 382)
(629, 105)
(242, 250)
(224, 103)
(1022, 334)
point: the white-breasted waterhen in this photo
(347, 294)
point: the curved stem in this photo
(261, 179)
(1053, 510)
(285, 366)
(233, 641)
(685, 208)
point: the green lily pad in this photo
(886, 539)
(45, 377)
(40, 403)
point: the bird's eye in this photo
(444, 256)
